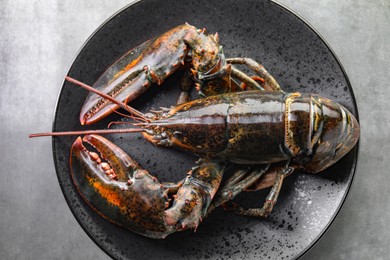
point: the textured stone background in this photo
(38, 41)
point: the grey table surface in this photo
(39, 40)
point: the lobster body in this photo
(254, 127)
(244, 127)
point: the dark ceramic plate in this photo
(299, 59)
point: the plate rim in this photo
(356, 149)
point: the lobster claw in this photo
(118, 189)
(115, 186)
(195, 195)
(152, 62)
(115, 81)
(131, 75)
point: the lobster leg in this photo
(270, 82)
(268, 179)
(238, 74)
(269, 202)
(228, 73)
(236, 184)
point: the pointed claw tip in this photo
(216, 37)
(82, 120)
(196, 227)
(78, 143)
(79, 139)
(87, 138)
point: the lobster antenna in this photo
(138, 119)
(118, 123)
(131, 110)
(88, 132)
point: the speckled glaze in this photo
(299, 60)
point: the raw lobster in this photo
(241, 119)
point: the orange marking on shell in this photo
(194, 72)
(127, 67)
(110, 195)
(257, 78)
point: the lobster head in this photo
(332, 131)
